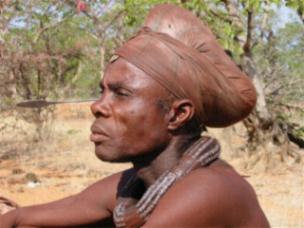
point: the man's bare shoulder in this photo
(104, 191)
(211, 196)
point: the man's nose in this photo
(100, 109)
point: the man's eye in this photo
(122, 92)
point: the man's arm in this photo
(91, 205)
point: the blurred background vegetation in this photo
(51, 49)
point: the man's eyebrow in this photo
(115, 85)
(120, 85)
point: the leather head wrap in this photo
(177, 50)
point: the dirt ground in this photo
(64, 164)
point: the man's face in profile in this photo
(129, 121)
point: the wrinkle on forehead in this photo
(124, 72)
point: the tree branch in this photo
(236, 20)
(43, 29)
(247, 45)
(222, 17)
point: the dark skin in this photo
(129, 109)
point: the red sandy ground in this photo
(65, 164)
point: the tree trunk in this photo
(262, 111)
(102, 60)
(267, 142)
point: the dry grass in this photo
(64, 163)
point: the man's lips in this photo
(97, 135)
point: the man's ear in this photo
(180, 113)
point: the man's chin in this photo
(103, 156)
(108, 156)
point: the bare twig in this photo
(247, 46)
(44, 29)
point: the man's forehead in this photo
(121, 71)
(123, 74)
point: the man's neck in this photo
(165, 160)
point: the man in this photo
(159, 91)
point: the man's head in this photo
(180, 79)
(180, 52)
(136, 117)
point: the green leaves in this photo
(295, 4)
(54, 27)
(251, 5)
